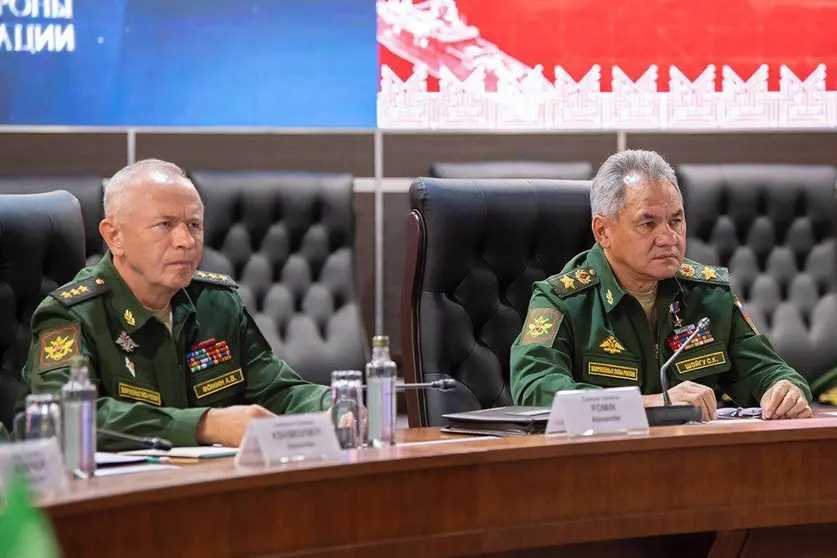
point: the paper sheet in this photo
(196, 452)
(144, 468)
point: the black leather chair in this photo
(774, 227)
(41, 248)
(288, 240)
(88, 190)
(513, 169)
(474, 249)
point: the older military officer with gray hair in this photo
(619, 310)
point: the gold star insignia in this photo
(100, 281)
(609, 297)
(612, 345)
(709, 273)
(568, 282)
(129, 318)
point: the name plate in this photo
(39, 461)
(287, 438)
(602, 411)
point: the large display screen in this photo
(607, 64)
(273, 63)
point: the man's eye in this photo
(648, 225)
(164, 224)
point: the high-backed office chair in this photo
(474, 249)
(288, 240)
(773, 226)
(89, 192)
(513, 169)
(41, 248)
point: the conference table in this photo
(732, 488)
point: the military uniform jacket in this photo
(584, 331)
(152, 382)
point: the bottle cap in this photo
(380, 341)
(79, 361)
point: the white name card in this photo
(40, 461)
(286, 438)
(601, 411)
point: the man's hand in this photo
(784, 400)
(227, 426)
(688, 393)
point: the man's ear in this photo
(112, 234)
(601, 231)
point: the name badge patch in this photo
(701, 362)
(217, 384)
(140, 394)
(612, 371)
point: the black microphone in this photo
(145, 443)
(447, 384)
(675, 414)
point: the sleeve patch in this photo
(58, 346)
(541, 326)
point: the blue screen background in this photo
(273, 63)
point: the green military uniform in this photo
(584, 331)
(153, 382)
(824, 388)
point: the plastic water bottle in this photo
(381, 372)
(78, 407)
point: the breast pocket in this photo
(611, 371)
(217, 386)
(708, 360)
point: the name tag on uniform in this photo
(591, 412)
(287, 438)
(217, 384)
(140, 394)
(701, 362)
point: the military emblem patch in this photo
(609, 297)
(541, 326)
(58, 346)
(687, 270)
(126, 343)
(611, 345)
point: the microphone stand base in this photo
(673, 414)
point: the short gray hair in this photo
(607, 195)
(130, 176)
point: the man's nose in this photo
(183, 237)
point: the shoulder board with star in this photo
(214, 279)
(694, 271)
(73, 293)
(573, 281)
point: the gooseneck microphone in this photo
(675, 414)
(144, 443)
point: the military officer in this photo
(173, 350)
(621, 309)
